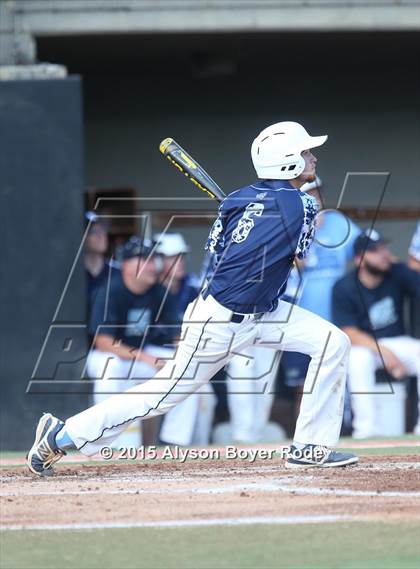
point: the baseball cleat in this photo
(317, 456)
(44, 451)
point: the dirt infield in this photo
(106, 495)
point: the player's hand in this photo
(150, 360)
(393, 365)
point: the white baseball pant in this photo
(188, 423)
(208, 341)
(250, 392)
(363, 363)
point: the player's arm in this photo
(414, 263)
(106, 303)
(409, 279)
(108, 343)
(392, 363)
(360, 338)
(344, 316)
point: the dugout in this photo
(212, 92)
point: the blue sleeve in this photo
(344, 310)
(409, 279)
(104, 312)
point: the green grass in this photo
(406, 437)
(355, 545)
(391, 451)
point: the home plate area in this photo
(163, 493)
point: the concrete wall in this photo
(214, 92)
(21, 21)
(217, 121)
(371, 119)
(46, 17)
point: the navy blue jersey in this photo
(94, 283)
(188, 291)
(379, 310)
(129, 317)
(259, 231)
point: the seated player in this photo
(368, 307)
(121, 321)
(183, 286)
(327, 261)
(190, 422)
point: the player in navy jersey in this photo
(259, 231)
(190, 422)
(183, 286)
(96, 264)
(129, 310)
(368, 305)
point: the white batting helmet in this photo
(276, 152)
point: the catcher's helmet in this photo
(276, 152)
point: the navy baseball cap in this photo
(136, 247)
(368, 240)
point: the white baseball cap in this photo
(170, 244)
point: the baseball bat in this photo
(190, 168)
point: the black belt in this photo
(236, 318)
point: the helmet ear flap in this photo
(292, 170)
(272, 165)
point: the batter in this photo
(259, 231)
